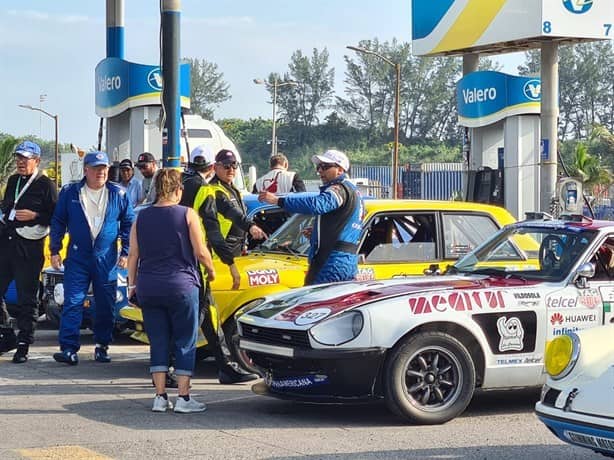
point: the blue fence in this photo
(427, 181)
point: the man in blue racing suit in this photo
(95, 213)
(338, 210)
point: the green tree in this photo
(586, 86)
(300, 104)
(209, 89)
(7, 165)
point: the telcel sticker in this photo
(312, 316)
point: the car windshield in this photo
(544, 252)
(290, 237)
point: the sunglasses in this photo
(229, 166)
(325, 166)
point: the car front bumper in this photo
(324, 376)
(592, 432)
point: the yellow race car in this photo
(399, 238)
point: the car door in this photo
(399, 243)
(577, 307)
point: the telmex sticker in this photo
(312, 316)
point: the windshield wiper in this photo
(489, 271)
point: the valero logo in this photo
(533, 90)
(578, 6)
(154, 78)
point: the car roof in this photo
(501, 214)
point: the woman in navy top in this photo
(166, 245)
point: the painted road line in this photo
(62, 452)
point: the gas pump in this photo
(570, 195)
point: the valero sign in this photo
(121, 85)
(486, 97)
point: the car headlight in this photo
(338, 330)
(561, 355)
(58, 293)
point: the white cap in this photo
(206, 154)
(332, 156)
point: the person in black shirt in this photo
(28, 205)
(199, 173)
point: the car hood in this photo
(322, 301)
(261, 269)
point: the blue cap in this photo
(96, 159)
(28, 149)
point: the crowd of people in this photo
(169, 266)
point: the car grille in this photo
(550, 397)
(272, 336)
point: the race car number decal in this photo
(262, 277)
(312, 316)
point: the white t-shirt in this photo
(95, 204)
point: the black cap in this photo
(126, 164)
(226, 157)
(145, 157)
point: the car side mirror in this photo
(584, 272)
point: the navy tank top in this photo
(167, 264)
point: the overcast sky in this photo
(52, 47)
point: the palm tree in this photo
(7, 165)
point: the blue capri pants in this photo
(171, 323)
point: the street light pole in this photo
(397, 102)
(276, 84)
(56, 119)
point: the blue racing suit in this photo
(336, 231)
(90, 260)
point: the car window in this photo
(398, 237)
(603, 260)
(464, 232)
(268, 220)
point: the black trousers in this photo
(22, 260)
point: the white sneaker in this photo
(189, 406)
(160, 404)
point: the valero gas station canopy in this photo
(448, 27)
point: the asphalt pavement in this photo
(99, 411)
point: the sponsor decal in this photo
(526, 295)
(518, 360)
(312, 316)
(590, 298)
(561, 302)
(365, 274)
(556, 318)
(296, 382)
(563, 330)
(456, 301)
(262, 277)
(532, 90)
(588, 440)
(588, 318)
(511, 334)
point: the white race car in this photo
(577, 402)
(425, 344)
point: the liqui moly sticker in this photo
(262, 277)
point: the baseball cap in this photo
(202, 155)
(126, 164)
(332, 156)
(226, 156)
(145, 157)
(96, 158)
(28, 149)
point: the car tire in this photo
(231, 335)
(429, 378)
(53, 313)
